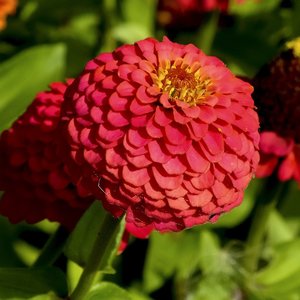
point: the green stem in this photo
(206, 35)
(109, 18)
(267, 199)
(98, 256)
(53, 248)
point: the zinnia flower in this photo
(277, 97)
(7, 7)
(32, 175)
(162, 132)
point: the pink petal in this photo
(141, 77)
(272, 143)
(97, 114)
(174, 166)
(125, 89)
(137, 138)
(200, 199)
(214, 142)
(136, 177)
(114, 158)
(176, 193)
(161, 117)
(125, 70)
(139, 161)
(117, 119)
(228, 162)
(207, 114)
(152, 190)
(153, 129)
(196, 160)
(175, 135)
(227, 199)
(143, 96)
(204, 181)
(179, 203)
(86, 138)
(138, 109)
(157, 152)
(198, 129)
(109, 134)
(166, 181)
(179, 149)
(81, 106)
(219, 189)
(118, 103)
(109, 83)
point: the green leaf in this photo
(209, 251)
(108, 291)
(160, 264)
(279, 230)
(8, 256)
(130, 32)
(282, 275)
(141, 13)
(87, 230)
(212, 288)
(162, 259)
(26, 283)
(252, 7)
(25, 74)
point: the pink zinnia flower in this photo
(32, 175)
(162, 132)
(277, 97)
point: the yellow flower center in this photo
(185, 83)
(295, 46)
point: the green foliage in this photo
(27, 283)
(27, 73)
(87, 230)
(108, 291)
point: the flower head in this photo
(7, 7)
(33, 177)
(277, 98)
(163, 132)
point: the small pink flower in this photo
(277, 97)
(162, 132)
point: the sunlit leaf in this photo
(81, 241)
(27, 73)
(108, 291)
(282, 275)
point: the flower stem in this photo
(267, 199)
(53, 248)
(97, 257)
(206, 35)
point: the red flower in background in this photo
(277, 98)
(33, 177)
(163, 132)
(188, 13)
